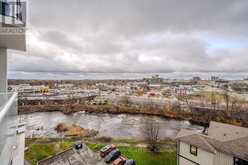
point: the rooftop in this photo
(226, 132)
(221, 137)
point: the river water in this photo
(115, 126)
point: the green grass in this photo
(143, 156)
(95, 147)
(38, 151)
(127, 141)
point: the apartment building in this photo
(12, 36)
(221, 144)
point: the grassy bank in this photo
(39, 149)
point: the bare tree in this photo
(213, 100)
(226, 97)
(184, 98)
(236, 103)
(125, 100)
(151, 134)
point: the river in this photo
(42, 124)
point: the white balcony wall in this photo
(8, 127)
(3, 70)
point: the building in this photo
(154, 80)
(66, 86)
(12, 36)
(197, 78)
(215, 78)
(26, 88)
(221, 144)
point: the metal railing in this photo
(8, 126)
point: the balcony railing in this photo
(8, 126)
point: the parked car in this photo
(78, 146)
(106, 150)
(119, 161)
(130, 162)
(112, 155)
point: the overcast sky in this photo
(135, 36)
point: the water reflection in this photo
(116, 126)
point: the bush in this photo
(104, 139)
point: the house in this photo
(221, 144)
(12, 36)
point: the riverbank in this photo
(196, 115)
(41, 148)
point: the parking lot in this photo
(72, 156)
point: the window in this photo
(238, 161)
(193, 150)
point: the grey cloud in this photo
(132, 17)
(134, 36)
(60, 38)
(38, 64)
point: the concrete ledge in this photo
(18, 154)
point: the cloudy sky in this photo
(74, 36)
